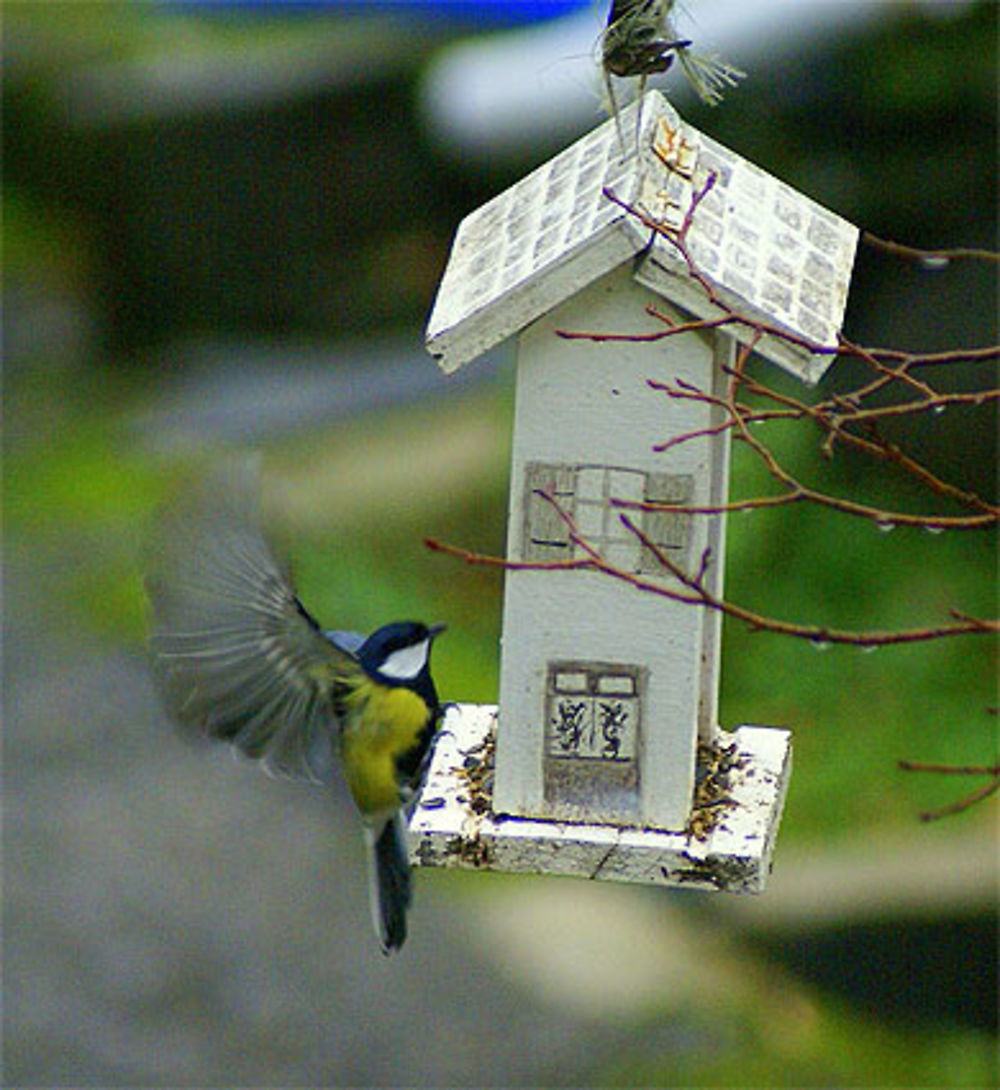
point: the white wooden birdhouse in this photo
(606, 758)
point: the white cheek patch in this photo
(407, 662)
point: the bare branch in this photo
(962, 804)
(693, 591)
(966, 801)
(950, 770)
(841, 418)
(930, 258)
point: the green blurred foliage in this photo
(795, 1039)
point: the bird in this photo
(640, 39)
(236, 656)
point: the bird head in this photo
(398, 653)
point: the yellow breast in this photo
(381, 724)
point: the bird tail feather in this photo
(390, 879)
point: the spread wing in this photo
(235, 653)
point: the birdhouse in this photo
(605, 757)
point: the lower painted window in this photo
(593, 712)
(593, 724)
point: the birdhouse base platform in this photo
(740, 790)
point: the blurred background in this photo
(223, 227)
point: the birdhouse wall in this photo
(604, 687)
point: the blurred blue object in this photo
(495, 13)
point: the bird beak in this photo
(436, 630)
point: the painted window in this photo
(593, 711)
(583, 493)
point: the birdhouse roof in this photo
(767, 251)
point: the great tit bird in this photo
(237, 656)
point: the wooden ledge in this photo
(727, 846)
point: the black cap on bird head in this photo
(398, 653)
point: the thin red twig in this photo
(967, 801)
(928, 256)
(695, 591)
